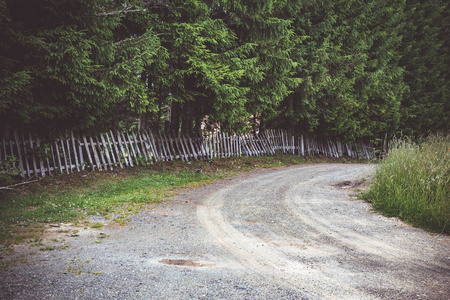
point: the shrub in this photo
(8, 170)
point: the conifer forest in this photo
(346, 69)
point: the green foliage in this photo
(343, 69)
(62, 68)
(425, 59)
(351, 83)
(265, 40)
(8, 169)
(412, 183)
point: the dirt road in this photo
(287, 233)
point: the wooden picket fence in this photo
(106, 151)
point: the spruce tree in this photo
(425, 58)
(62, 67)
(348, 61)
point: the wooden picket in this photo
(108, 150)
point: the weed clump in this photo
(412, 183)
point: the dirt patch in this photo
(347, 184)
(182, 262)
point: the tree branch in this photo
(120, 12)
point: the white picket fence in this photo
(106, 151)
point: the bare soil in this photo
(283, 233)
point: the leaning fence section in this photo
(32, 156)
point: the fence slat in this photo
(197, 146)
(123, 149)
(69, 155)
(263, 143)
(225, 144)
(53, 158)
(75, 154)
(26, 156)
(115, 154)
(11, 147)
(170, 149)
(64, 156)
(244, 143)
(192, 147)
(59, 157)
(213, 145)
(125, 143)
(153, 146)
(183, 148)
(100, 148)
(135, 141)
(198, 140)
(80, 150)
(48, 161)
(108, 148)
(96, 156)
(233, 145)
(136, 160)
(177, 146)
(41, 163)
(220, 144)
(33, 155)
(255, 142)
(210, 146)
(86, 146)
(19, 151)
(253, 148)
(161, 147)
(116, 148)
(184, 142)
(270, 142)
(141, 149)
(165, 146)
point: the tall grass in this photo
(412, 183)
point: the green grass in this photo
(116, 194)
(22, 215)
(412, 183)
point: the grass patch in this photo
(23, 214)
(115, 194)
(412, 183)
(97, 225)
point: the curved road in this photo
(288, 233)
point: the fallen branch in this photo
(10, 187)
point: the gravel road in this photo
(284, 233)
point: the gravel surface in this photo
(284, 233)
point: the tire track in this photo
(295, 229)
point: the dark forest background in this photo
(346, 69)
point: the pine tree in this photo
(62, 68)
(265, 43)
(347, 59)
(425, 58)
